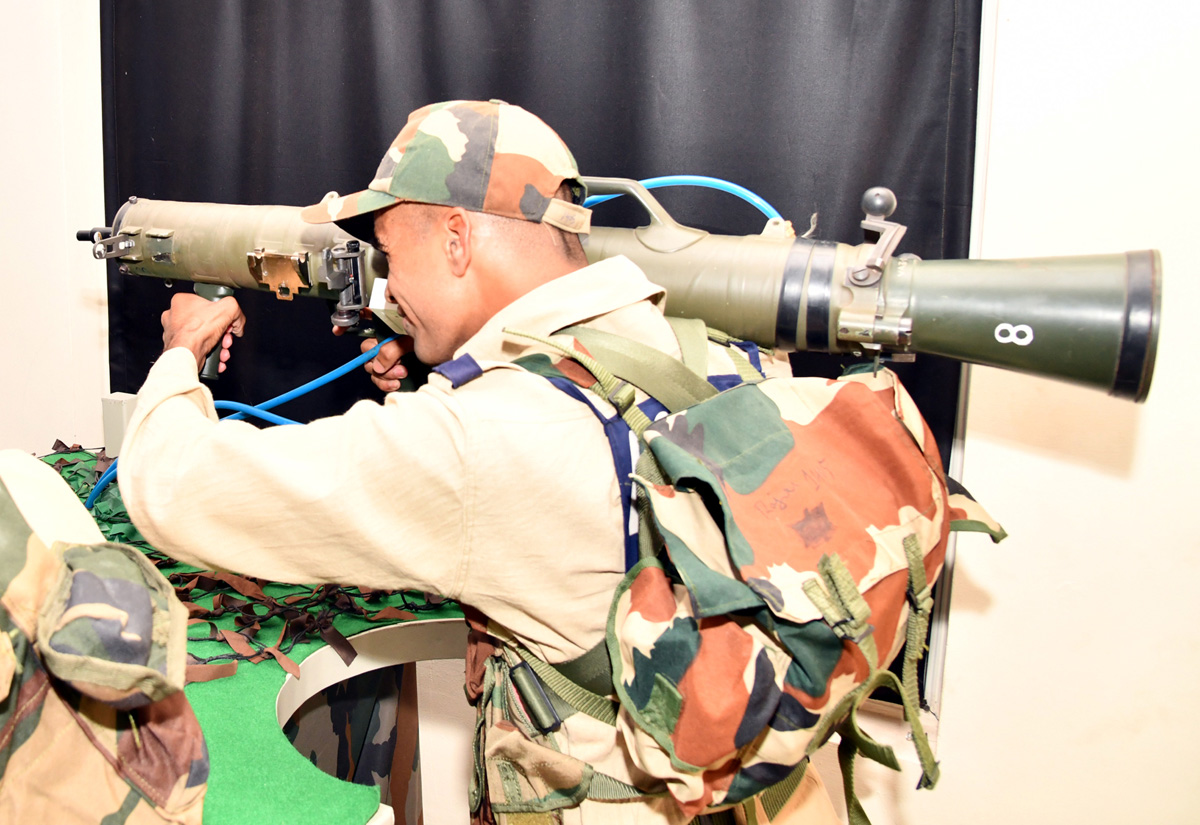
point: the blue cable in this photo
(246, 409)
(105, 479)
(316, 382)
(258, 410)
(698, 180)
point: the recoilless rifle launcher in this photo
(1091, 320)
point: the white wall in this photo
(54, 361)
(1073, 659)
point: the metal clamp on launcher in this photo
(865, 322)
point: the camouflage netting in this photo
(269, 618)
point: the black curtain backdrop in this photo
(806, 103)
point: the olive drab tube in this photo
(243, 247)
(1091, 320)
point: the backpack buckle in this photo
(621, 396)
(853, 630)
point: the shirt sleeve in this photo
(342, 499)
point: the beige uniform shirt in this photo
(501, 493)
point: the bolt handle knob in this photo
(879, 202)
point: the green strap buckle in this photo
(621, 396)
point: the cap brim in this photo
(354, 213)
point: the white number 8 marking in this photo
(1021, 334)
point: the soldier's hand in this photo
(200, 325)
(385, 369)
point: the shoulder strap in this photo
(657, 374)
(692, 335)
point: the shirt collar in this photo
(600, 288)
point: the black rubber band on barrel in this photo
(820, 294)
(791, 294)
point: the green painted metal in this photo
(1091, 319)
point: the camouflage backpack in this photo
(790, 532)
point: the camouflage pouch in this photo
(65, 611)
(519, 771)
(112, 628)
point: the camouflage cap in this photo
(488, 156)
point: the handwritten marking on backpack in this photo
(816, 476)
(777, 502)
(1021, 334)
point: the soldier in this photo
(488, 485)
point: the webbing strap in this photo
(692, 335)
(592, 671)
(616, 391)
(607, 789)
(854, 740)
(846, 611)
(660, 376)
(598, 707)
(775, 797)
(842, 606)
(920, 607)
(745, 369)
(847, 750)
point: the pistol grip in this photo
(212, 363)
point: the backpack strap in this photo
(576, 696)
(617, 391)
(591, 671)
(665, 379)
(920, 607)
(692, 335)
(845, 610)
(745, 355)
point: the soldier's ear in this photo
(457, 240)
